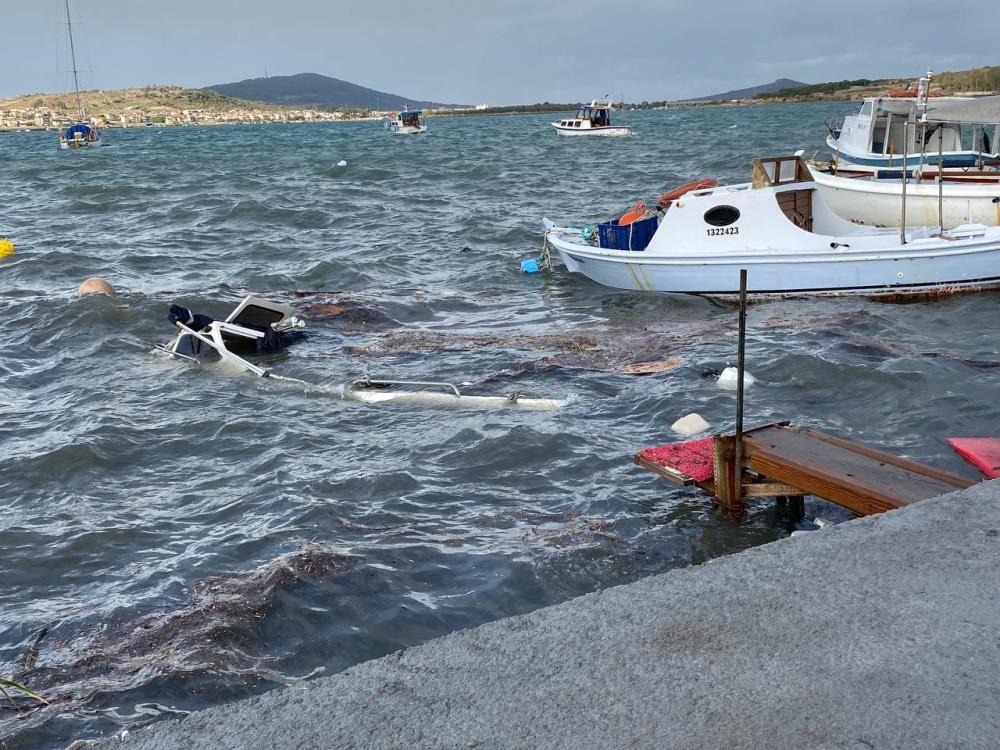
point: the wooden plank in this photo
(959, 482)
(672, 475)
(770, 489)
(854, 476)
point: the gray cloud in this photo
(497, 52)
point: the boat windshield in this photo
(411, 119)
(599, 117)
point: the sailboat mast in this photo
(72, 53)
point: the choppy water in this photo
(132, 487)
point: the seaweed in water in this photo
(216, 636)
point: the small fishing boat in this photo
(592, 119)
(259, 326)
(922, 130)
(407, 122)
(875, 198)
(781, 229)
(80, 134)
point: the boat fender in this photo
(634, 214)
(671, 195)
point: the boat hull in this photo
(612, 131)
(407, 129)
(910, 270)
(879, 202)
(78, 143)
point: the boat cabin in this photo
(80, 134)
(410, 118)
(593, 115)
(886, 128)
(252, 327)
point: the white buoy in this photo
(691, 424)
(730, 377)
(341, 163)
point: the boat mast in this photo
(72, 52)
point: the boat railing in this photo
(767, 171)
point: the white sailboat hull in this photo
(76, 143)
(878, 202)
(397, 129)
(920, 267)
(609, 131)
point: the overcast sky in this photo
(496, 51)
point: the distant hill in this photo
(150, 98)
(750, 93)
(314, 90)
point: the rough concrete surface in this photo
(879, 633)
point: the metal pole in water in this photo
(740, 368)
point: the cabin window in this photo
(866, 109)
(722, 216)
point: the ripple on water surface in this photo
(190, 536)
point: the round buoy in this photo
(6, 247)
(95, 285)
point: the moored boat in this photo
(80, 134)
(407, 122)
(920, 130)
(875, 198)
(592, 119)
(781, 229)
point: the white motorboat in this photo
(592, 119)
(259, 326)
(780, 228)
(875, 198)
(406, 122)
(922, 130)
(80, 134)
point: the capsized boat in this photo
(407, 122)
(80, 134)
(875, 197)
(781, 229)
(921, 129)
(592, 119)
(259, 326)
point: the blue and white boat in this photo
(80, 134)
(961, 133)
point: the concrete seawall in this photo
(883, 632)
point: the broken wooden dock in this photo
(781, 461)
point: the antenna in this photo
(72, 52)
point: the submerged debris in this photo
(216, 634)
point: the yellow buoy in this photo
(6, 247)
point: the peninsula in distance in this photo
(310, 97)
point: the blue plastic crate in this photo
(634, 236)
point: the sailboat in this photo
(79, 134)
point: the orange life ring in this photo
(671, 195)
(636, 213)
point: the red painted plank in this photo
(693, 458)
